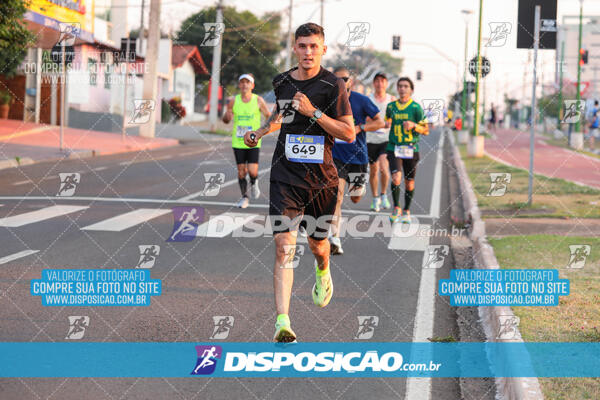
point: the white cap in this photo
(246, 76)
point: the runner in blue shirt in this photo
(351, 159)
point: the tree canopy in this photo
(249, 44)
(14, 37)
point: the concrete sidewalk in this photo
(24, 143)
(511, 147)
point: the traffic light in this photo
(395, 42)
(583, 57)
(419, 75)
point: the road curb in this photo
(515, 388)
(12, 162)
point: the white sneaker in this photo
(255, 191)
(243, 203)
(336, 245)
(385, 202)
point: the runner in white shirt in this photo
(376, 145)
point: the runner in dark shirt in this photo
(312, 110)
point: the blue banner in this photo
(351, 359)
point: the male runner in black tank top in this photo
(312, 110)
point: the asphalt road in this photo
(209, 276)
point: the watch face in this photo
(317, 113)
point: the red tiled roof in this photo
(181, 53)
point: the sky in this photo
(437, 23)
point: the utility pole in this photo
(288, 46)
(150, 73)
(578, 124)
(560, 82)
(141, 34)
(536, 45)
(215, 74)
(322, 11)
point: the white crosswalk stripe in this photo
(16, 256)
(127, 220)
(38, 215)
(224, 224)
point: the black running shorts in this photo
(374, 150)
(407, 165)
(345, 169)
(243, 156)
(288, 204)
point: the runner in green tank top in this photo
(245, 109)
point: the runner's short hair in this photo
(309, 29)
(341, 68)
(406, 79)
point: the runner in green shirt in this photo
(245, 109)
(408, 122)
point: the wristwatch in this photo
(361, 127)
(316, 115)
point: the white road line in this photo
(127, 220)
(434, 209)
(174, 201)
(228, 183)
(100, 169)
(39, 215)
(223, 224)
(16, 256)
(22, 182)
(420, 388)
(406, 237)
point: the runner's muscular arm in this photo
(272, 124)
(341, 127)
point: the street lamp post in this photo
(478, 72)
(466, 14)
